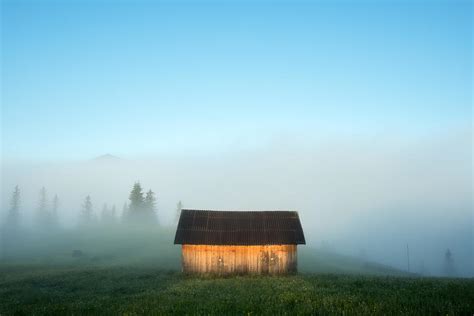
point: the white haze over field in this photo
(369, 197)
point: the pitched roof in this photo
(200, 227)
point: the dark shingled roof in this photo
(198, 227)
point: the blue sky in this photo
(83, 78)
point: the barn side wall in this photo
(269, 259)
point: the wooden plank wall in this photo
(270, 259)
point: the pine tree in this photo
(43, 216)
(136, 200)
(13, 218)
(449, 269)
(10, 231)
(179, 208)
(149, 207)
(87, 215)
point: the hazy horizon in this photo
(368, 198)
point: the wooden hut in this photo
(223, 242)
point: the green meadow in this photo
(136, 271)
(133, 290)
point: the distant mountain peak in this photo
(106, 157)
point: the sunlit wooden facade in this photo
(218, 242)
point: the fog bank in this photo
(368, 198)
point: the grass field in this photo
(130, 271)
(130, 290)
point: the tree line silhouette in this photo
(141, 208)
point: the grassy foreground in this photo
(134, 290)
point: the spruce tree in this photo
(13, 217)
(43, 216)
(10, 230)
(87, 215)
(136, 200)
(449, 269)
(149, 207)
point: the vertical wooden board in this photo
(271, 259)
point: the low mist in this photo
(400, 204)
